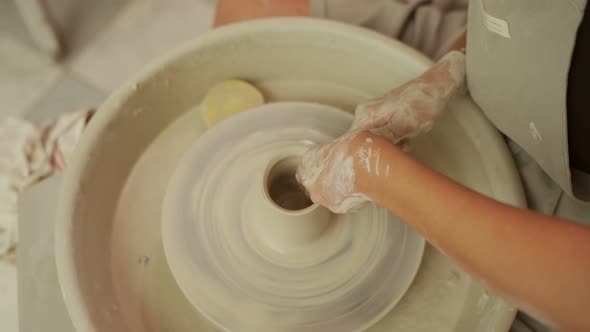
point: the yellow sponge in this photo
(227, 98)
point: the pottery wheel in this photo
(252, 254)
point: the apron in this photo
(518, 60)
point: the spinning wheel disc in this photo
(250, 262)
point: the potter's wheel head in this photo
(251, 262)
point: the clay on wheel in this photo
(252, 254)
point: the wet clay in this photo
(251, 253)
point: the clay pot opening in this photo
(282, 187)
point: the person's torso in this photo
(519, 55)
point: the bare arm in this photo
(539, 262)
(460, 43)
(231, 11)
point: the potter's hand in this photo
(410, 109)
(328, 172)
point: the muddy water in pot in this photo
(283, 188)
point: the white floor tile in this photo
(25, 75)
(67, 95)
(11, 23)
(8, 300)
(144, 30)
(81, 21)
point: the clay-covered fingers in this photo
(411, 109)
(328, 174)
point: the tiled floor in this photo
(8, 301)
(24, 76)
(145, 30)
(70, 92)
(107, 42)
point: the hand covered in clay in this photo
(329, 172)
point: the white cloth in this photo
(29, 153)
(431, 26)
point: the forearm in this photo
(541, 263)
(460, 43)
(230, 11)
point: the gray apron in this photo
(519, 54)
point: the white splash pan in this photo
(110, 261)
